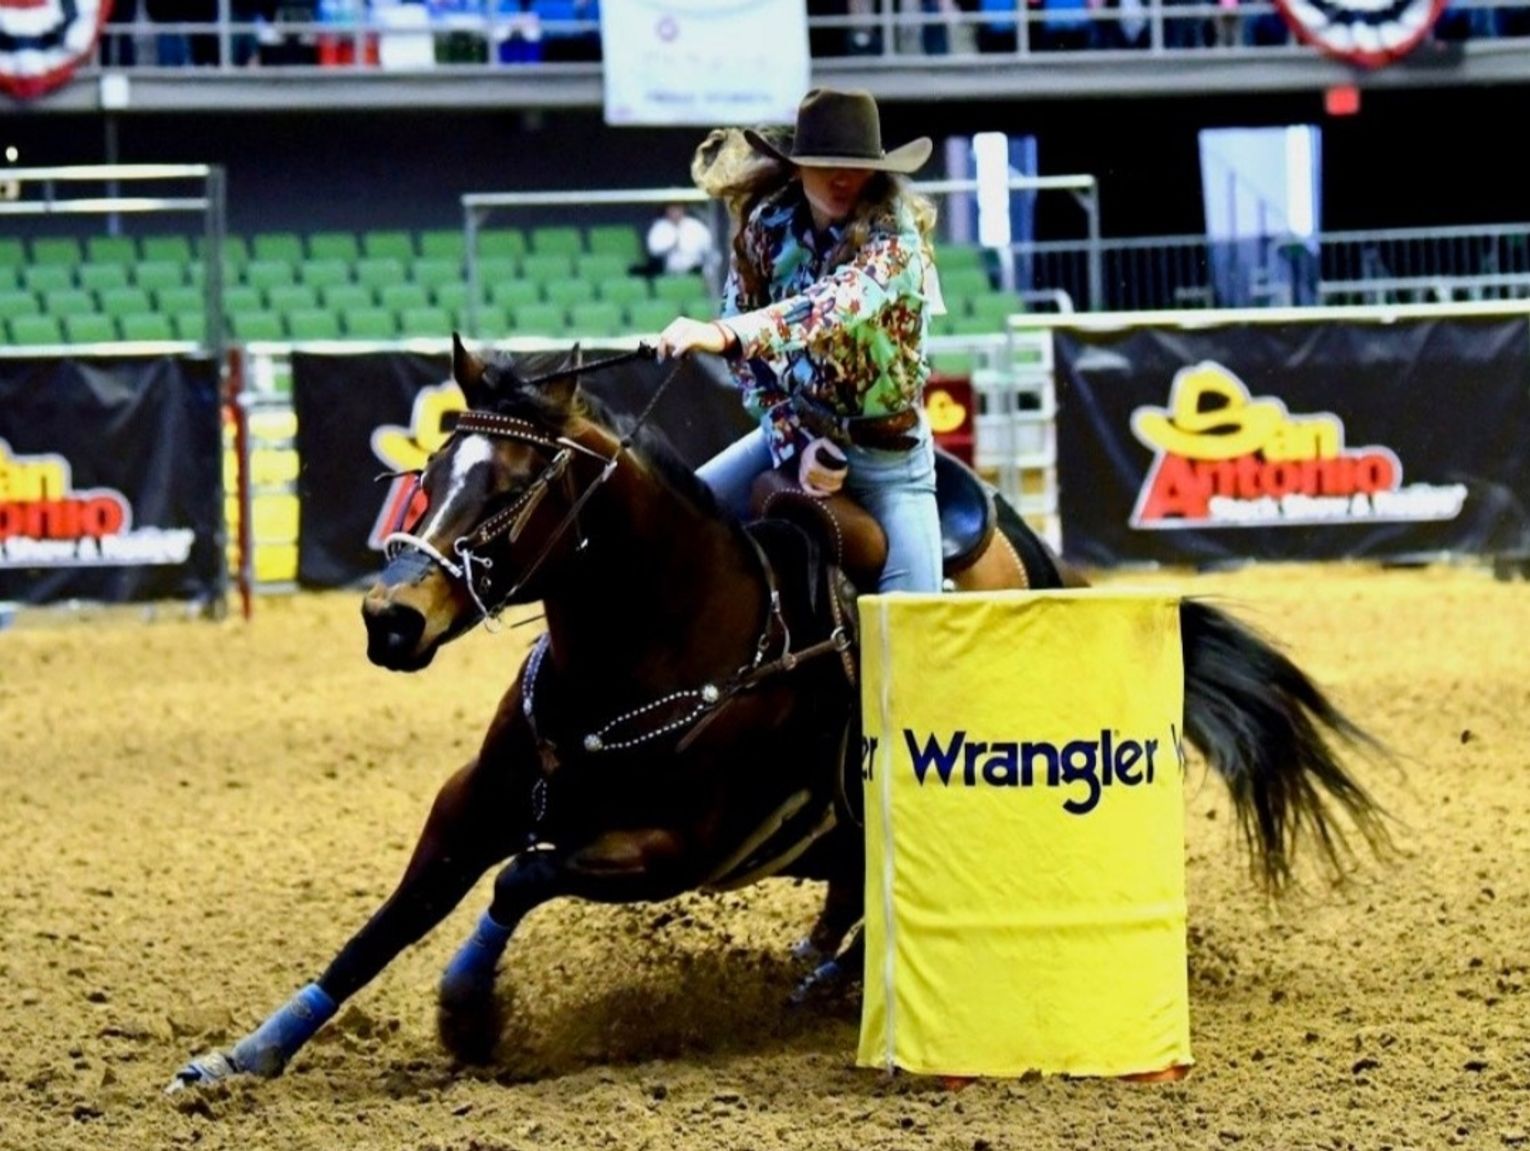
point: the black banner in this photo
(363, 414)
(1294, 441)
(111, 479)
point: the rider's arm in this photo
(888, 268)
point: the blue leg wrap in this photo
(265, 1050)
(471, 970)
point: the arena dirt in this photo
(196, 815)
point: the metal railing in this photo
(479, 207)
(323, 33)
(35, 192)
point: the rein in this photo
(511, 521)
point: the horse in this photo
(689, 718)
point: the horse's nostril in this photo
(393, 633)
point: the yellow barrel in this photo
(1025, 886)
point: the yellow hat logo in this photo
(407, 449)
(1233, 424)
(943, 412)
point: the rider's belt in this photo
(888, 433)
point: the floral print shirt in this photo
(850, 341)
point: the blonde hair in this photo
(728, 168)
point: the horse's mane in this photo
(513, 396)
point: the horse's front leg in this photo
(457, 845)
(618, 867)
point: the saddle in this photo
(855, 542)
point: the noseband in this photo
(471, 567)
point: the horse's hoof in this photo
(469, 1025)
(806, 951)
(213, 1067)
(824, 979)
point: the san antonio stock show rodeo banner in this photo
(1294, 441)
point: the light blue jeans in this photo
(897, 488)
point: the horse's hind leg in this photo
(843, 906)
(459, 842)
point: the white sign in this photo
(704, 62)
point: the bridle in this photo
(471, 567)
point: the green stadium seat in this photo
(170, 249)
(538, 320)
(111, 250)
(568, 292)
(175, 300)
(616, 240)
(90, 328)
(596, 318)
(34, 330)
(492, 322)
(98, 277)
(370, 324)
(649, 317)
(236, 252)
(190, 326)
(501, 242)
(313, 324)
(10, 278)
(145, 326)
(492, 269)
(241, 298)
(323, 273)
(268, 273)
(69, 301)
(678, 288)
(124, 301)
(347, 297)
(958, 257)
(557, 241)
(976, 326)
(18, 302)
(430, 274)
(600, 266)
(994, 307)
(943, 324)
(514, 293)
(333, 246)
(963, 283)
(453, 297)
(623, 290)
(152, 275)
(398, 296)
(12, 254)
(47, 277)
(547, 266)
(388, 246)
(379, 271)
(425, 322)
(700, 308)
(445, 244)
(256, 326)
(286, 298)
(56, 250)
(277, 247)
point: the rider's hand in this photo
(684, 336)
(822, 470)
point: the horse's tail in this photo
(1270, 733)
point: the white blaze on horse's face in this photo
(470, 453)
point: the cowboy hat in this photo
(842, 130)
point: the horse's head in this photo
(495, 509)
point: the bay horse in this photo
(687, 719)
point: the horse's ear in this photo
(561, 390)
(468, 371)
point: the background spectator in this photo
(677, 243)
